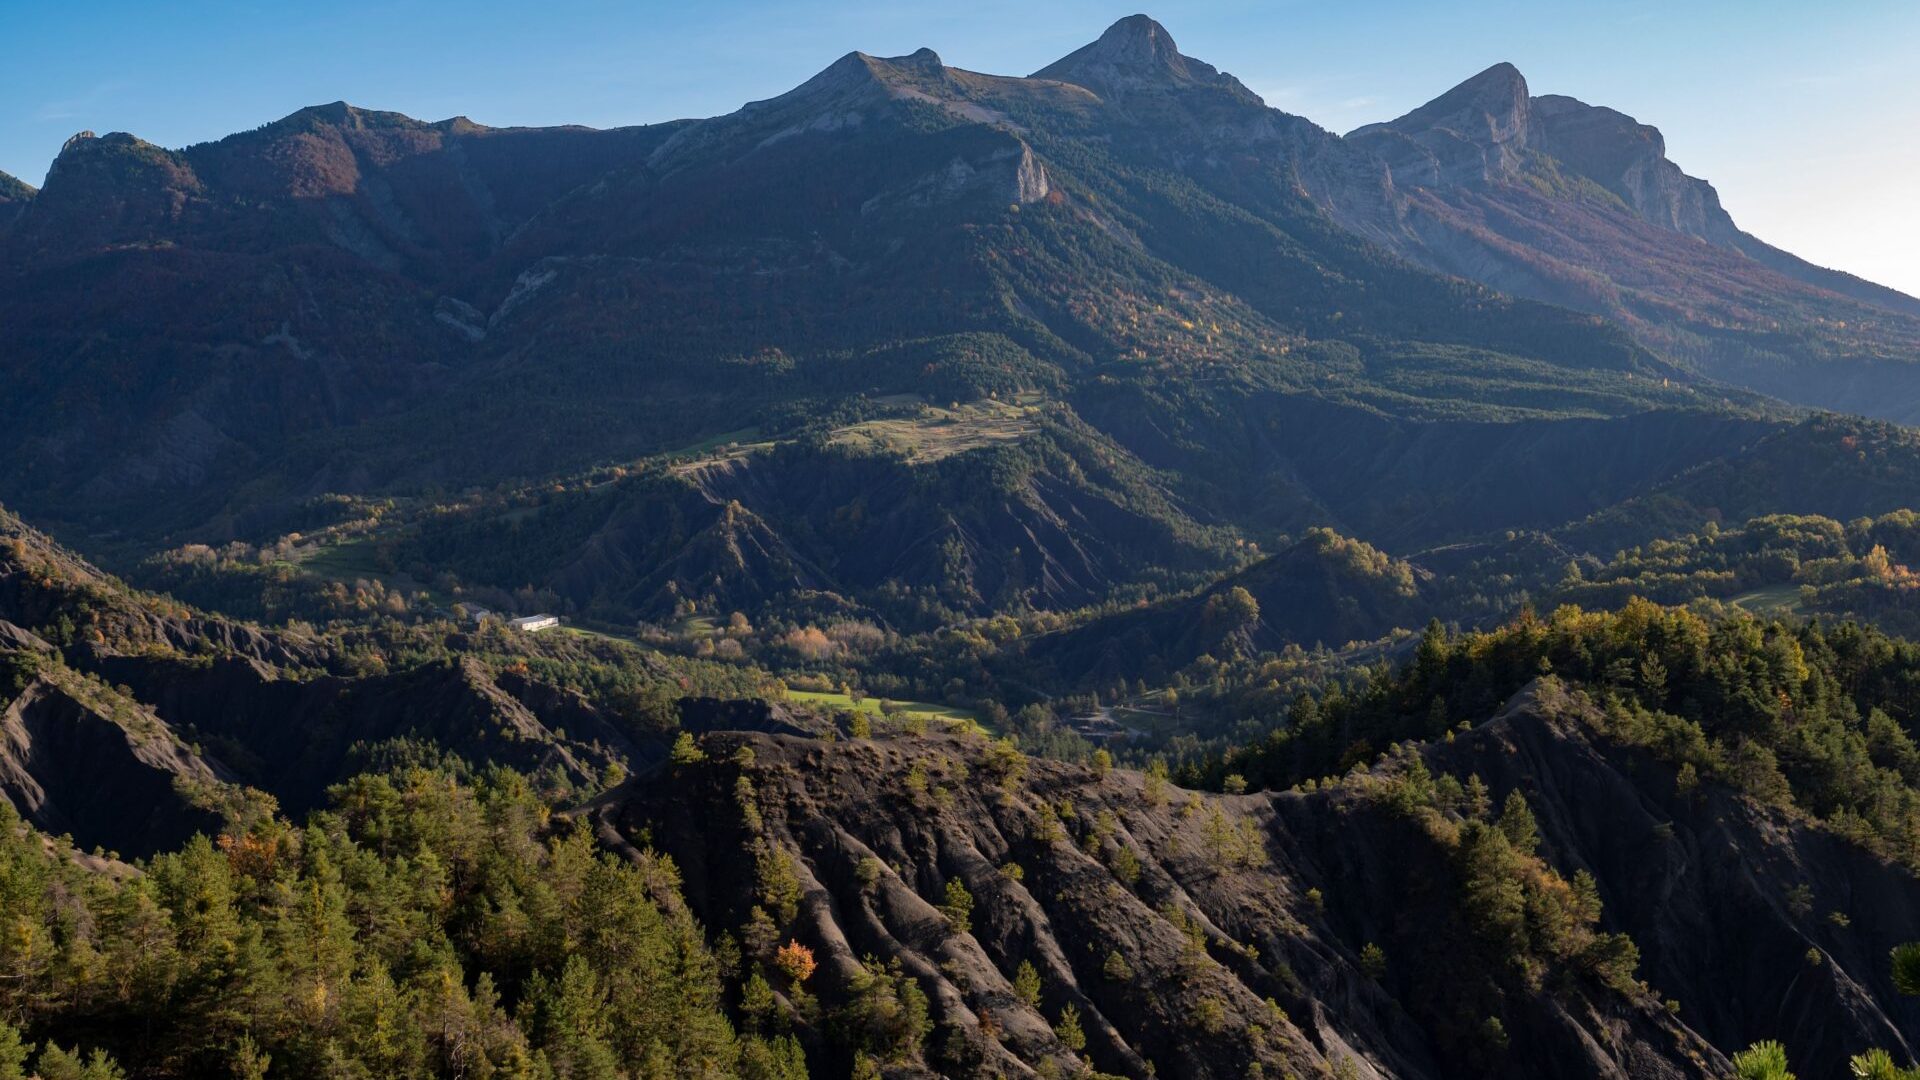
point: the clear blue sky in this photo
(1805, 115)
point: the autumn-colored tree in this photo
(795, 961)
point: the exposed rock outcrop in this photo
(1760, 923)
(1169, 959)
(1725, 899)
(1552, 198)
(104, 770)
(1137, 54)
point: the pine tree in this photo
(958, 907)
(1026, 984)
(1517, 824)
(58, 1064)
(13, 1053)
(1067, 1029)
(686, 751)
(1154, 789)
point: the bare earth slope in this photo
(1214, 904)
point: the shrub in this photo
(1762, 1061)
(1373, 961)
(1906, 968)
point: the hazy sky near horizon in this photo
(1805, 116)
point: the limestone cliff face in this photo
(1490, 130)
(1629, 159)
(1475, 133)
(1548, 197)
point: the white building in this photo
(533, 624)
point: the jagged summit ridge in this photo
(879, 173)
(1492, 107)
(1137, 54)
(1487, 129)
(861, 92)
(1484, 129)
(855, 72)
(1473, 132)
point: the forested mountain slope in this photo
(132, 721)
(353, 301)
(906, 330)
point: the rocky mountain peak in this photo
(1473, 133)
(1629, 159)
(848, 94)
(1136, 54)
(338, 112)
(1492, 107)
(857, 73)
(112, 188)
(85, 150)
(1137, 41)
(341, 116)
(1486, 129)
(1558, 111)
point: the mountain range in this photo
(203, 341)
(993, 520)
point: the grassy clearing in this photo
(932, 433)
(1771, 600)
(354, 561)
(697, 626)
(341, 561)
(941, 432)
(727, 446)
(598, 635)
(707, 445)
(871, 706)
